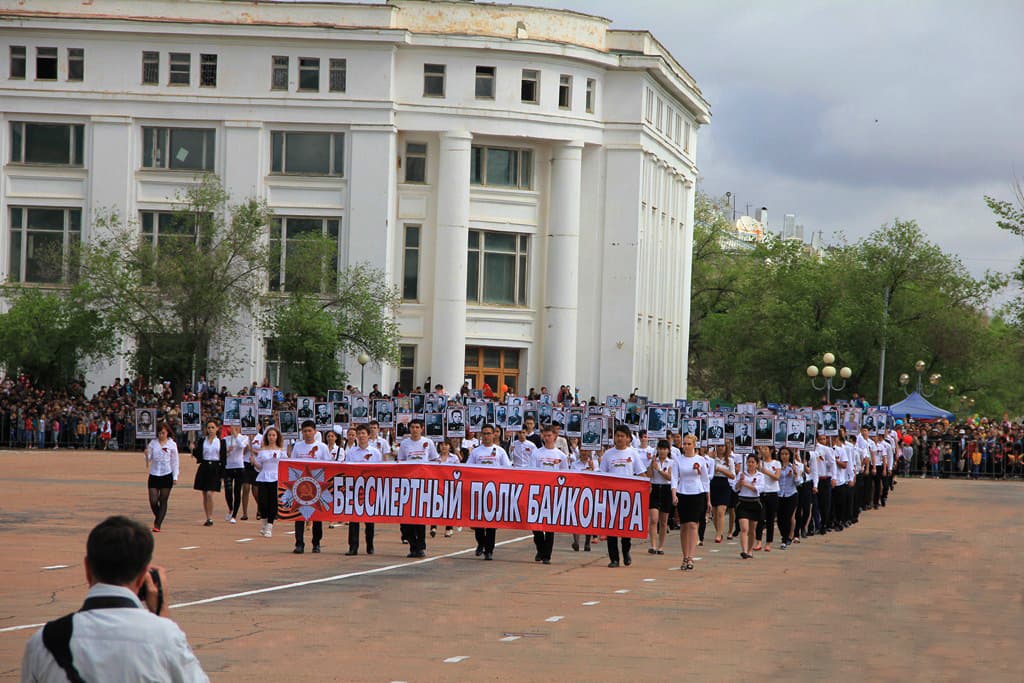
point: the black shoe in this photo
(575, 547)
(421, 553)
(369, 550)
(299, 549)
(352, 551)
(479, 551)
(488, 556)
(537, 558)
(652, 551)
(316, 548)
(626, 559)
(613, 564)
(208, 522)
(546, 561)
(413, 553)
(433, 533)
(586, 548)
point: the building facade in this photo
(525, 176)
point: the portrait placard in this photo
(384, 412)
(593, 428)
(324, 417)
(359, 409)
(232, 410)
(191, 416)
(248, 409)
(288, 423)
(455, 422)
(145, 423)
(265, 401)
(795, 426)
(716, 430)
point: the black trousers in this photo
(886, 487)
(300, 533)
(545, 543)
(879, 479)
(839, 504)
(825, 501)
(353, 536)
(787, 506)
(485, 539)
(803, 508)
(416, 535)
(613, 547)
(233, 480)
(770, 508)
(266, 496)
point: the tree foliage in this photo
(761, 315)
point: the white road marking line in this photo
(649, 580)
(554, 619)
(622, 591)
(456, 660)
(697, 558)
(189, 547)
(243, 540)
(289, 533)
(592, 602)
(715, 550)
(57, 566)
(509, 639)
(300, 584)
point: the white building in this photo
(540, 156)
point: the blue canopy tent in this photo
(918, 407)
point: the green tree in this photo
(1010, 217)
(50, 334)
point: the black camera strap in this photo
(57, 633)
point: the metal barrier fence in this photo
(956, 462)
(13, 434)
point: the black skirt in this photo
(250, 474)
(660, 498)
(748, 509)
(164, 481)
(720, 491)
(692, 507)
(207, 476)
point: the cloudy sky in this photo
(849, 113)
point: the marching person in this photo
(584, 463)
(265, 460)
(690, 492)
(211, 453)
(770, 468)
(660, 500)
(749, 484)
(418, 450)
(788, 495)
(721, 491)
(547, 458)
(446, 456)
(362, 452)
(487, 454)
(309, 448)
(162, 458)
(234, 472)
(621, 461)
(825, 465)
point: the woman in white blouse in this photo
(162, 460)
(748, 486)
(690, 492)
(771, 469)
(265, 461)
(660, 499)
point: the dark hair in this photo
(361, 428)
(416, 421)
(163, 426)
(547, 428)
(663, 443)
(118, 550)
(623, 429)
(308, 423)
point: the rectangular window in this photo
(485, 82)
(407, 367)
(18, 62)
(290, 238)
(411, 264)
(415, 162)
(591, 94)
(501, 167)
(649, 108)
(498, 264)
(47, 143)
(150, 68)
(173, 232)
(181, 69)
(530, 88)
(46, 63)
(433, 80)
(190, 149)
(687, 131)
(41, 240)
(76, 64)
(565, 91)
(278, 73)
(309, 74)
(659, 121)
(338, 75)
(307, 153)
(208, 71)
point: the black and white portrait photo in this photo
(744, 439)
(191, 417)
(324, 418)
(288, 424)
(247, 409)
(514, 422)
(145, 423)
(456, 422)
(656, 422)
(795, 437)
(304, 407)
(265, 400)
(763, 431)
(574, 425)
(716, 431)
(233, 410)
(359, 410)
(384, 411)
(477, 416)
(592, 432)
(434, 426)
(340, 410)
(781, 432)
(830, 422)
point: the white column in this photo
(448, 349)
(561, 302)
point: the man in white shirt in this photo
(417, 450)
(379, 442)
(309, 448)
(621, 461)
(487, 454)
(548, 459)
(362, 452)
(840, 502)
(115, 636)
(823, 465)
(522, 451)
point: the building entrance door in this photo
(493, 366)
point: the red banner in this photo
(463, 495)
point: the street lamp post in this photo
(920, 387)
(828, 372)
(363, 358)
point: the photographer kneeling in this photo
(116, 636)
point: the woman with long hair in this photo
(748, 486)
(660, 499)
(690, 489)
(265, 460)
(234, 472)
(788, 495)
(770, 468)
(211, 453)
(721, 492)
(162, 459)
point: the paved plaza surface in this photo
(929, 588)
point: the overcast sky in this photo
(849, 113)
